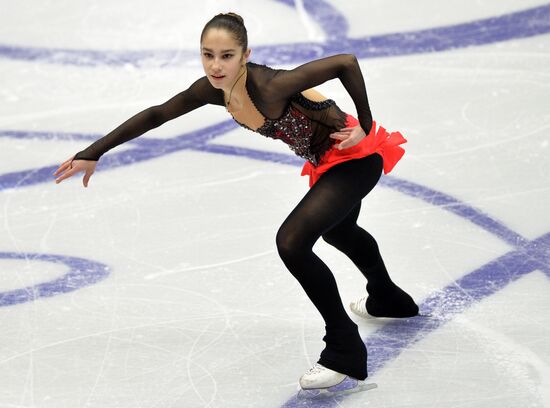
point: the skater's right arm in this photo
(198, 94)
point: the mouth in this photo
(218, 77)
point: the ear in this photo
(246, 55)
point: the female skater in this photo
(345, 158)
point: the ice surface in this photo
(160, 284)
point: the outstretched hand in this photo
(348, 137)
(71, 167)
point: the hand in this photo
(348, 137)
(70, 167)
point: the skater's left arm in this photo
(345, 67)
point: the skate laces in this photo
(316, 369)
(360, 306)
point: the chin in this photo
(216, 83)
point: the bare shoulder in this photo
(314, 95)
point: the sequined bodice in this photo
(294, 127)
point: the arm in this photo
(195, 96)
(146, 120)
(344, 67)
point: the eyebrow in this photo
(223, 51)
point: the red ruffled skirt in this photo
(378, 141)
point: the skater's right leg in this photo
(325, 205)
(385, 298)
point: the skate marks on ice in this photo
(443, 305)
(82, 272)
(521, 24)
(346, 387)
(396, 335)
(529, 22)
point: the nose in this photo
(216, 66)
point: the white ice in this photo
(197, 309)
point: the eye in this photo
(227, 56)
(207, 55)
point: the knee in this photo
(290, 243)
(284, 242)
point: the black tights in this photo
(330, 210)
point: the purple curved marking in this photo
(388, 342)
(522, 24)
(148, 149)
(200, 140)
(58, 136)
(457, 207)
(528, 256)
(82, 272)
(329, 19)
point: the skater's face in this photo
(222, 58)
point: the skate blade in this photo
(418, 316)
(367, 316)
(336, 391)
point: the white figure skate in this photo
(359, 307)
(320, 382)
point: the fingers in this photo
(346, 143)
(71, 167)
(338, 136)
(86, 178)
(69, 173)
(64, 166)
(345, 140)
(342, 134)
(348, 137)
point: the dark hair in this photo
(231, 22)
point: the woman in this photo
(345, 158)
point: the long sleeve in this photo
(345, 67)
(197, 95)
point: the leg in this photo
(355, 242)
(385, 298)
(325, 205)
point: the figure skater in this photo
(344, 161)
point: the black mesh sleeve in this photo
(198, 94)
(344, 67)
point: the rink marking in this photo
(516, 25)
(394, 337)
(82, 272)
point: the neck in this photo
(233, 94)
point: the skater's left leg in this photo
(385, 298)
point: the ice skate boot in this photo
(368, 307)
(322, 382)
(385, 298)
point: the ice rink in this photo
(159, 286)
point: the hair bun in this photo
(236, 17)
(231, 22)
